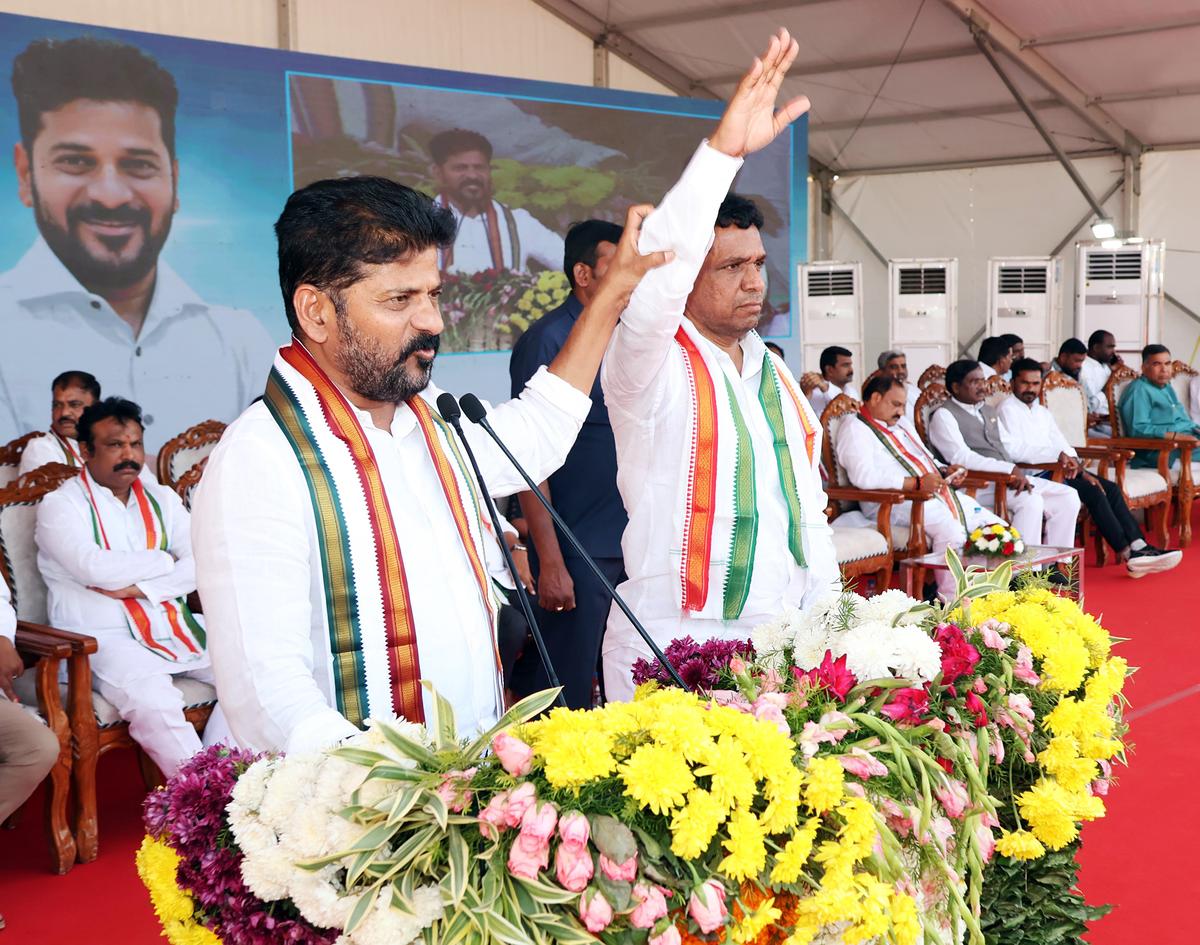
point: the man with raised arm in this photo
(717, 449)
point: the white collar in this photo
(974, 409)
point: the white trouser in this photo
(153, 707)
(943, 530)
(1046, 515)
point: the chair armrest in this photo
(983, 477)
(890, 496)
(1103, 452)
(1148, 443)
(79, 642)
(30, 641)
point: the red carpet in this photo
(1130, 859)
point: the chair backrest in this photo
(931, 398)
(1122, 376)
(1067, 402)
(18, 551)
(934, 374)
(1182, 374)
(10, 456)
(995, 389)
(841, 409)
(183, 452)
(185, 485)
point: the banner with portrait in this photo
(148, 171)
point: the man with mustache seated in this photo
(116, 554)
(71, 393)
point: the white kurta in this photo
(1029, 432)
(820, 399)
(646, 391)
(47, 449)
(191, 361)
(912, 393)
(8, 616)
(71, 561)
(1093, 376)
(472, 251)
(259, 565)
(987, 369)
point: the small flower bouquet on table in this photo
(1001, 541)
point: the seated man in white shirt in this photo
(881, 450)
(895, 363)
(966, 431)
(1094, 373)
(1030, 435)
(995, 356)
(837, 377)
(72, 392)
(116, 556)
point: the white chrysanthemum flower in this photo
(289, 789)
(887, 607)
(427, 901)
(868, 650)
(249, 789)
(774, 636)
(915, 654)
(809, 646)
(319, 899)
(387, 926)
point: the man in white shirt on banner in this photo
(1094, 373)
(341, 546)
(717, 450)
(1030, 435)
(895, 363)
(837, 377)
(965, 431)
(71, 393)
(97, 165)
(880, 449)
(490, 235)
(116, 556)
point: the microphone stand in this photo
(477, 413)
(448, 408)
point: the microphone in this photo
(477, 413)
(448, 408)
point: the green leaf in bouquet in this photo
(523, 711)
(458, 863)
(562, 930)
(402, 902)
(456, 929)
(361, 908)
(506, 931)
(403, 802)
(436, 806)
(618, 892)
(547, 893)
(443, 719)
(394, 772)
(409, 748)
(651, 848)
(613, 838)
(360, 756)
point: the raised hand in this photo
(628, 266)
(750, 121)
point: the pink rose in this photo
(539, 822)
(528, 857)
(514, 754)
(619, 872)
(862, 764)
(1023, 669)
(453, 789)
(651, 906)
(991, 636)
(573, 830)
(769, 707)
(668, 937)
(519, 801)
(493, 818)
(953, 797)
(595, 911)
(573, 866)
(707, 906)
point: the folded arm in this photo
(182, 579)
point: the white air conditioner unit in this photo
(831, 311)
(1119, 288)
(1025, 299)
(923, 311)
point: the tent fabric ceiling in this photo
(882, 102)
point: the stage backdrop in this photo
(84, 225)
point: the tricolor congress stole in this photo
(72, 457)
(912, 463)
(715, 413)
(368, 607)
(185, 640)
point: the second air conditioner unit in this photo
(923, 311)
(1025, 299)
(831, 311)
(1119, 288)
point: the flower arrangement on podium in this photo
(841, 778)
(1001, 541)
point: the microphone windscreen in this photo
(472, 407)
(448, 407)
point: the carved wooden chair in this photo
(95, 726)
(1186, 381)
(43, 650)
(995, 389)
(185, 486)
(1142, 484)
(934, 374)
(180, 454)
(932, 397)
(864, 553)
(10, 456)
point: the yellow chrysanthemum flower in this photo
(789, 862)
(1020, 845)
(1049, 810)
(657, 778)
(824, 781)
(905, 919)
(746, 845)
(694, 825)
(157, 864)
(749, 928)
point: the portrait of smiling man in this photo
(97, 164)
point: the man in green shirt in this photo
(1149, 406)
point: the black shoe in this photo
(1057, 578)
(1148, 551)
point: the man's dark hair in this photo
(116, 408)
(771, 346)
(76, 379)
(456, 141)
(829, 357)
(992, 349)
(51, 73)
(1013, 340)
(582, 241)
(956, 373)
(880, 384)
(1097, 337)
(1151, 350)
(331, 228)
(1023, 365)
(739, 211)
(1072, 346)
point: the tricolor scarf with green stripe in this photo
(374, 666)
(914, 463)
(719, 517)
(178, 637)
